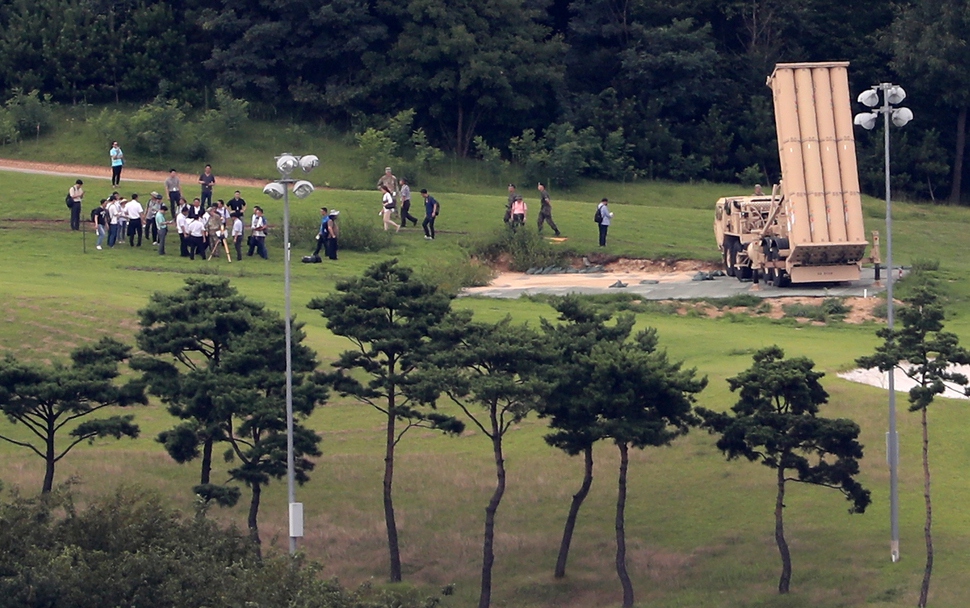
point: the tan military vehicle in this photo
(810, 228)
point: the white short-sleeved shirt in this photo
(134, 210)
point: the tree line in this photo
(215, 359)
(607, 89)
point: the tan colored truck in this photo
(810, 228)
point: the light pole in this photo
(287, 163)
(891, 95)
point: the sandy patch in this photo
(902, 382)
(629, 271)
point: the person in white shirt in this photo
(114, 213)
(258, 226)
(388, 205)
(237, 233)
(196, 228)
(181, 226)
(136, 216)
(122, 219)
(76, 195)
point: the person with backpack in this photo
(74, 198)
(324, 233)
(431, 210)
(603, 219)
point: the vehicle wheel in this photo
(778, 280)
(728, 264)
(745, 273)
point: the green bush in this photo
(362, 235)
(156, 126)
(524, 247)
(8, 130)
(453, 275)
(232, 113)
(30, 112)
(741, 300)
(110, 125)
(834, 307)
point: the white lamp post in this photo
(287, 163)
(891, 95)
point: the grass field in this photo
(699, 530)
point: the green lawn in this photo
(700, 530)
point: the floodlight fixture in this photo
(866, 120)
(902, 116)
(274, 190)
(895, 94)
(302, 188)
(868, 98)
(286, 163)
(309, 162)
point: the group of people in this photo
(516, 210)
(393, 190)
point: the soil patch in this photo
(95, 172)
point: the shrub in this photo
(8, 130)
(525, 248)
(29, 112)
(745, 300)
(360, 235)
(232, 113)
(834, 307)
(156, 126)
(452, 275)
(376, 147)
(110, 125)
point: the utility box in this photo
(810, 228)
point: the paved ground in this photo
(513, 286)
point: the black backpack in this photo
(68, 201)
(598, 217)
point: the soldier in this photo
(508, 207)
(545, 210)
(390, 182)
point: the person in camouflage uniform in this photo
(545, 210)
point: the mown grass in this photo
(699, 529)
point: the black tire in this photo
(745, 273)
(778, 280)
(731, 247)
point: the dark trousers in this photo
(196, 246)
(75, 216)
(237, 241)
(406, 213)
(112, 235)
(603, 230)
(116, 175)
(545, 215)
(183, 245)
(206, 199)
(321, 244)
(332, 248)
(174, 198)
(518, 219)
(428, 225)
(152, 227)
(134, 227)
(259, 245)
(161, 240)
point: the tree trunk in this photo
(924, 589)
(785, 581)
(620, 532)
(206, 460)
(958, 157)
(578, 498)
(488, 553)
(253, 519)
(392, 543)
(50, 458)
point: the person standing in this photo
(519, 209)
(334, 232)
(545, 210)
(237, 233)
(406, 204)
(182, 226)
(207, 180)
(117, 162)
(216, 227)
(154, 204)
(508, 207)
(75, 195)
(122, 220)
(324, 233)
(161, 227)
(114, 220)
(237, 203)
(173, 185)
(605, 219)
(136, 216)
(431, 209)
(196, 243)
(387, 208)
(258, 227)
(196, 210)
(99, 219)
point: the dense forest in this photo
(614, 89)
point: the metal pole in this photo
(893, 442)
(290, 464)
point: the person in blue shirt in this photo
(431, 209)
(324, 232)
(117, 162)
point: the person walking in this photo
(545, 210)
(173, 185)
(406, 204)
(258, 226)
(334, 232)
(117, 162)
(431, 209)
(237, 233)
(161, 227)
(74, 196)
(603, 217)
(508, 207)
(324, 233)
(99, 217)
(519, 210)
(207, 180)
(387, 208)
(136, 217)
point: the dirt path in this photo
(94, 172)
